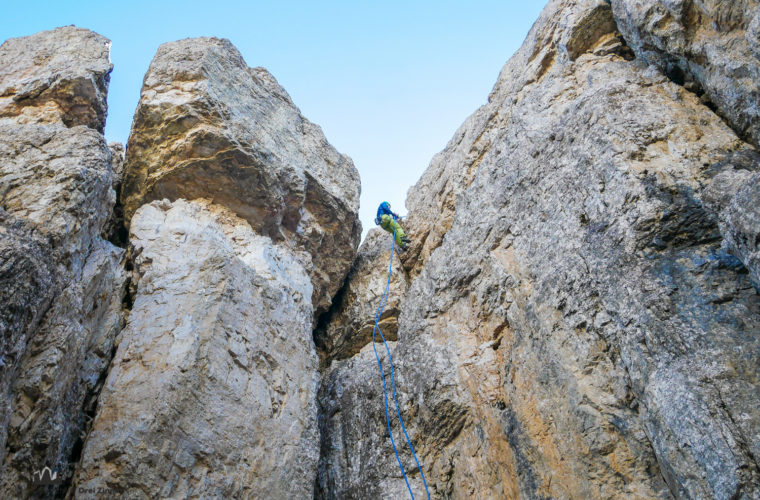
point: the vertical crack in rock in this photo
(343, 337)
(347, 327)
(115, 231)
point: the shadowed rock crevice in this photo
(347, 327)
(115, 231)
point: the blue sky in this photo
(389, 82)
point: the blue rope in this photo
(379, 313)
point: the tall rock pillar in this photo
(243, 225)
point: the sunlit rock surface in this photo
(212, 390)
(710, 46)
(349, 325)
(208, 126)
(243, 225)
(580, 321)
(577, 316)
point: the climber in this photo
(389, 221)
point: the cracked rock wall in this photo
(61, 283)
(243, 224)
(581, 320)
(711, 46)
(577, 316)
(207, 125)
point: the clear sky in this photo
(388, 81)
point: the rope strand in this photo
(378, 313)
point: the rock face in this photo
(348, 327)
(212, 390)
(581, 320)
(712, 46)
(355, 463)
(740, 223)
(207, 125)
(243, 224)
(61, 283)
(58, 76)
(578, 316)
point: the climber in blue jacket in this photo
(389, 221)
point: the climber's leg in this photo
(400, 235)
(389, 225)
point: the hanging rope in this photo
(379, 313)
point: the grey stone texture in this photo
(61, 283)
(577, 316)
(212, 392)
(711, 46)
(581, 320)
(209, 126)
(349, 324)
(243, 225)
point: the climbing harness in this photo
(378, 313)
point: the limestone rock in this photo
(59, 179)
(29, 283)
(117, 163)
(355, 463)
(208, 126)
(574, 327)
(243, 225)
(712, 46)
(56, 76)
(62, 284)
(349, 324)
(741, 227)
(753, 35)
(115, 230)
(62, 372)
(212, 392)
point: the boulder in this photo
(243, 225)
(208, 126)
(56, 76)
